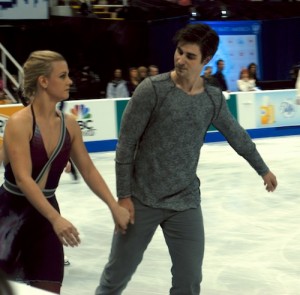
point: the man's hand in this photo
(270, 181)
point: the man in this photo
(143, 73)
(163, 129)
(153, 70)
(208, 77)
(219, 76)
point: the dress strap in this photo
(14, 189)
(57, 149)
(48, 193)
(33, 118)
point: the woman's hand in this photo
(121, 217)
(66, 232)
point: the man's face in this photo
(188, 60)
(143, 72)
(118, 73)
(221, 65)
(153, 71)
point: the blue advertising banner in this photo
(24, 9)
(239, 46)
(277, 109)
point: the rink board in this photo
(261, 113)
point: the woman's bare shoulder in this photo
(72, 124)
(70, 119)
(19, 125)
(23, 116)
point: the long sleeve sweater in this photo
(161, 135)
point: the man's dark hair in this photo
(202, 35)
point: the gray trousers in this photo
(184, 236)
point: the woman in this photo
(133, 81)
(245, 83)
(38, 142)
(117, 87)
(252, 69)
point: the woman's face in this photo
(253, 69)
(133, 73)
(58, 83)
(245, 75)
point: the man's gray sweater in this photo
(162, 132)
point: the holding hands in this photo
(123, 214)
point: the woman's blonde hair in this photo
(39, 63)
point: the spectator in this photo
(133, 81)
(208, 77)
(294, 72)
(220, 76)
(297, 86)
(85, 9)
(153, 70)
(117, 87)
(244, 83)
(252, 69)
(143, 73)
(88, 83)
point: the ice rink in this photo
(252, 236)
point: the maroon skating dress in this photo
(29, 247)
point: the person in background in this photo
(85, 8)
(219, 76)
(88, 83)
(294, 72)
(252, 69)
(162, 131)
(153, 70)
(38, 142)
(133, 80)
(297, 86)
(208, 77)
(245, 83)
(143, 73)
(117, 87)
